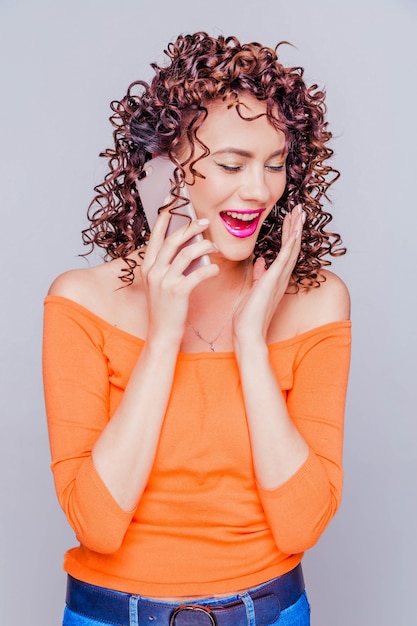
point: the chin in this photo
(236, 253)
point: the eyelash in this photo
(230, 168)
(276, 168)
(233, 169)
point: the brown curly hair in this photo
(157, 118)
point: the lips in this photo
(241, 223)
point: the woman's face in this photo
(244, 175)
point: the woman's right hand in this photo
(167, 288)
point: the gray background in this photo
(61, 65)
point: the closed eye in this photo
(275, 168)
(230, 168)
(237, 168)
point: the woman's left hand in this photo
(254, 314)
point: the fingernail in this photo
(203, 221)
(299, 208)
(303, 217)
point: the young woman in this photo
(196, 417)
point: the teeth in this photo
(244, 217)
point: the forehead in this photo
(241, 124)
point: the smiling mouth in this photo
(241, 223)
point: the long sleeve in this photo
(77, 396)
(299, 510)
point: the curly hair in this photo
(157, 118)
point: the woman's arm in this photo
(299, 509)
(280, 450)
(297, 445)
(123, 452)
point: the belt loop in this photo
(250, 609)
(133, 610)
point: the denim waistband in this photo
(116, 607)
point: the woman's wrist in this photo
(163, 344)
(249, 346)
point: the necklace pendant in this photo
(212, 347)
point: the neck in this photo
(212, 307)
(228, 279)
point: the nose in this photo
(254, 187)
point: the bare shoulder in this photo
(310, 308)
(100, 290)
(325, 304)
(77, 284)
(91, 287)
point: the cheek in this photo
(206, 195)
(279, 188)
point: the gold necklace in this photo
(229, 317)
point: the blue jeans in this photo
(298, 614)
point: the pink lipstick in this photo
(241, 223)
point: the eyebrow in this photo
(246, 153)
